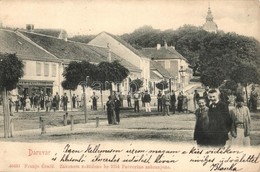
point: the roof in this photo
(104, 52)
(49, 32)
(155, 66)
(65, 49)
(162, 53)
(12, 42)
(127, 45)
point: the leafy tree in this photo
(212, 77)
(11, 70)
(76, 73)
(136, 84)
(162, 85)
(246, 74)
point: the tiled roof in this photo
(127, 45)
(12, 42)
(104, 52)
(162, 53)
(65, 49)
(155, 66)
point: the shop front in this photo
(30, 87)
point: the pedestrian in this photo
(219, 120)
(147, 100)
(48, 102)
(78, 101)
(121, 99)
(166, 103)
(240, 128)
(136, 101)
(196, 98)
(253, 99)
(110, 111)
(94, 98)
(142, 99)
(73, 101)
(57, 100)
(180, 102)
(173, 102)
(42, 100)
(205, 96)
(36, 102)
(159, 101)
(185, 103)
(65, 102)
(202, 123)
(129, 104)
(27, 103)
(117, 110)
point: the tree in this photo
(107, 73)
(79, 73)
(11, 70)
(246, 74)
(212, 77)
(136, 84)
(162, 85)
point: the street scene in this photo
(149, 71)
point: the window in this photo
(38, 69)
(46, 69)
(54, 70)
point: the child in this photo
(202, 123)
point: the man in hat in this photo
(159, 101)
(147, 100)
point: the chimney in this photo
(165, 44)
(158, 46)
(109, 54)
(29, 27)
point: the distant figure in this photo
(159, 101)
(117, 110)
(136, 101)
(205, 96)
(173, 102)
(142, 99)
(121, 99)
(78, 101)
(240, 128)
(94, 101)
(42, 100)
(129, 104)
(180, 102)
(253, 99)
(147, 100)
(166, 104)
(202, 123)
(27, 104)
(110, 111)
(48, 102)
(74, 101)
(185, 103)
(65, 102)
(57, 100)
(196, 98)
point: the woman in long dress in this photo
(240, 129)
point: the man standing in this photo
(129, 100)
(159, 101)
(196, 98)
(74, 101)
(136, 101)
(253, 99)
(173, 102)
(121, 98)
(65, 102)
(205, 96)
(94, 101)
(57, 99)
(147, 100)
(166, 103)
(219, 120)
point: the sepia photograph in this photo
(129, 85)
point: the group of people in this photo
(214, 121)
(113, 109)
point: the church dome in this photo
(210, 25)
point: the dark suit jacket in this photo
(219, 124)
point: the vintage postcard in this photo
(134, 85)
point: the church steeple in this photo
(210, 25)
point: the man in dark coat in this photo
(173, 102)
(159, 101)
(219, 120)
(110, 110)
(118, 104)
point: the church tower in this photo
(210, 25)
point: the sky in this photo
(85, 17)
